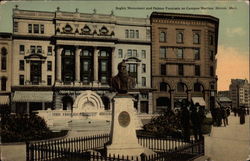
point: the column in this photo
(27, 73)
(139, 78)
(189, 95)
(172, 98)
(96, 51)
(77, 64)
(28, 107)
(43, 105)
(139, 104)
(59, 64)
(150, 103)
(206, 96)
(113, 62)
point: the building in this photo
(224, 94)
(5, 68)
(239, 93)
(64, 60)
(184, 48)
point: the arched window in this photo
(162, 36)
(104, 30)
(68, 28)
(163, 86)
(86, 29)
(179, 37)
(3, 83)
(180, 87)
(196, 38)
(197, 87)
(3, 59)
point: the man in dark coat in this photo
(185, 119)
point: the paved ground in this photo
(231, 143)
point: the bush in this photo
(19, 128)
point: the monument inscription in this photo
(124, 119)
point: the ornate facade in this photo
(184, 48)
(63, 54)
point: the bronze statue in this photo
(122, 82)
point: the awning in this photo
(33, 96)
(199, 100)
(4, 100)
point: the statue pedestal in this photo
(123, 139)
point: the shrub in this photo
(19, 128)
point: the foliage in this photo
(18, 128)
(167, 124)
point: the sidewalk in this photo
(231, 143)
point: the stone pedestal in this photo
(123, 139)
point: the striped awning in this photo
(4, 100)
(33, 96)
(199, 100)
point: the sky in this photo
(233, 43)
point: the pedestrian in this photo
(224, 116)
(219, 116)
(195, 122)
(185, 122)
(201, 116)
(242, 115)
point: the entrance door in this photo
(35, 72)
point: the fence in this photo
(92, 148)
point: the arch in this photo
(68, 28)
(162, 36)
(198, 87)
(164, 86)
(181, 87)
(67, 102)
(196, 38)
(106, 102)
(88, 101)
(179, 37)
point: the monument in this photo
(123, 139)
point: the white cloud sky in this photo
(235, 31)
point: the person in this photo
(195, 122)
(242, 115)
(201, 116)
(224, 116)
(185, 122)
(219, 116)
(122, 82)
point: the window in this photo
(85, 66)
(163, 69)
(39, 49)
(21, 65)
(148, 34)
(30, 28)
(21, 79)
(197, 70)
(21, 49)
(211, 71)
(126, 34)
(163, 52)
(129, 53)
(197, 87)
(49, 80)
(163, 86)
(211, 39)
(3, 59)
(162, 36)
(143, 81)
(15, 28)
(137, 34)
(104, 30)
(103, 79)
(180, 69)
(104, 66)
(68, 28)
(132, 70)
(36, 28)
(180, 87)
(197, 54)
(211, 55)
(180, 53)
(42, 29)
(49, 50)
(196, 38)
(134, 53)
(132, 34)
(143, 54)
(32, 49)
(120, 54)
(3, 83)
(49, 66)
(179, 37)
(143, 68)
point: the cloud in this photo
(231, 63)
(3, 2)
(235, 31)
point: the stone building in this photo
(5, 70)
(239, 93)
(184, 48)
(64, 60)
